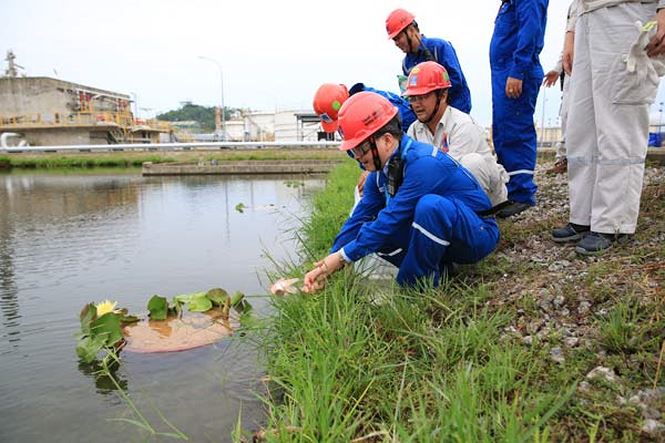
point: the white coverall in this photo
(563, 109)
(464, 140)
(608, 120)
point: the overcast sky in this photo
(274, 54)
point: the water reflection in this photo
(106, 381)
(67, 240)
(8, 292)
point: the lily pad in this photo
(108, 327)
(88, 314)
(158, 307)
(218, 296)
(199, 303)
(88, 347)
(193, 330)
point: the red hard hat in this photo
(328, 99)
(397, 21)
(426, 77)
(361, 116)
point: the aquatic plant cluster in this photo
(102, 324)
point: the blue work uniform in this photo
(442, 52)
(430, 222)
(406, 114)
(519, 31)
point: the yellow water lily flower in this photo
(105, 307)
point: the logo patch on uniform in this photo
(326, 118)
(444, 143)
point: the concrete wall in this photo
(60, 136)
(47, 96)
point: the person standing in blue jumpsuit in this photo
(421, 208)
(403, 30)
(518, 36)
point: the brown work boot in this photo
(560, 167)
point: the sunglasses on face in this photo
(361, 149)
(419, 98)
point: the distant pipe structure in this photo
(6, 135)
(203, 146)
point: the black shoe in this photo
(513, 208)
(596, 243)
(560, 167)
(570, 232)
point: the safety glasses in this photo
(361, 149)
(419, 98)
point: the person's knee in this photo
(434, 210)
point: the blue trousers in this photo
(514, 134)
(444, 230)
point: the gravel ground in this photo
(559, 296)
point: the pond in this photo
(67, 239)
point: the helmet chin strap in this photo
(409, 41)
(375, 153)
(439, 94)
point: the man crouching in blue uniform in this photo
(421, 210)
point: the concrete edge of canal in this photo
(213, 167)
(307, 166)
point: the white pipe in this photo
(175, 146)
(5, 135)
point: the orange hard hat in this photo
(361, 116)
(328, 99)
(397, 21)
(426, 77)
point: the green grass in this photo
(53, 161)
(378, 363)
(133, 159)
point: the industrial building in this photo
(43, 111)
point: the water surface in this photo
(69, 239)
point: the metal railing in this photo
(78, 119)
(201, 146)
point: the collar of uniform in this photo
(445, 121)
(423, 41)
(422, 130)
(398, 151)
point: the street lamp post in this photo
(221, 84)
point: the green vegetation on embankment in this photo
(533, 344)
(131, 159)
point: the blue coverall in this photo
(519, 31)
(429, 223)
(406, 114)
(444, 54)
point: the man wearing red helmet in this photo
(330, 97)
(451, 130)
(402, 29)
(421, 209)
